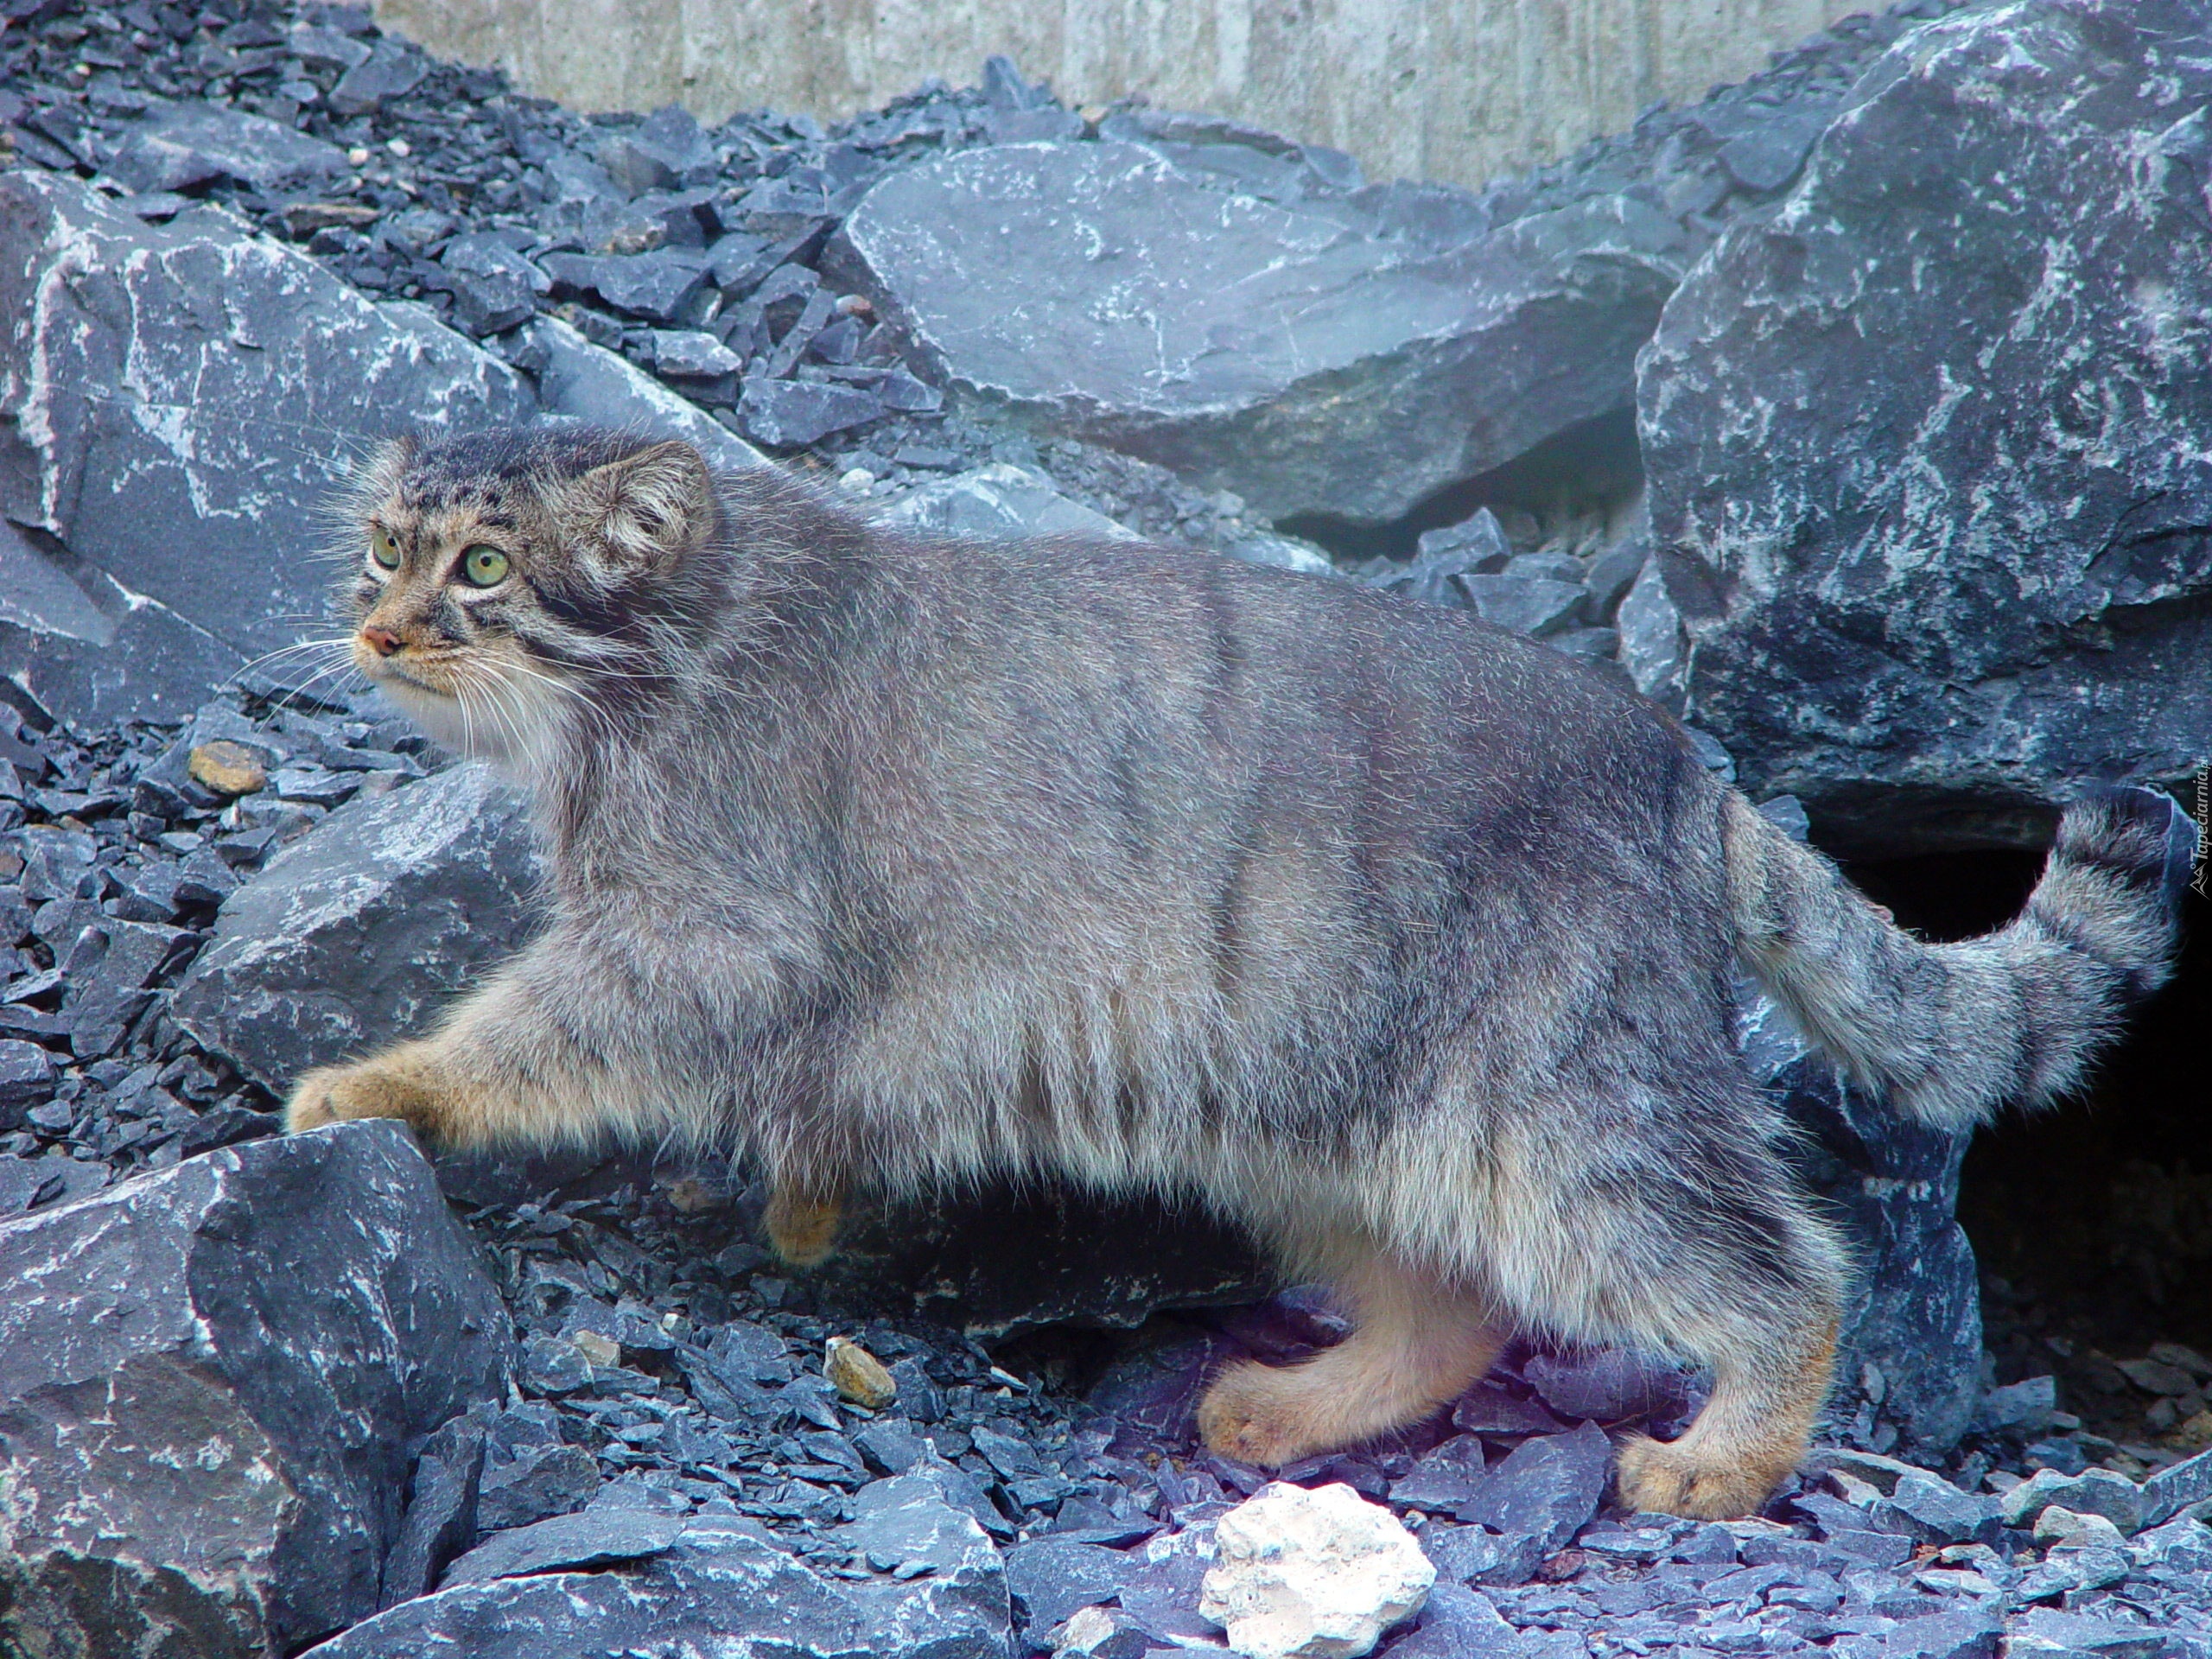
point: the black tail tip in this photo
(2159, 813)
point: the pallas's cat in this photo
(1403, 941)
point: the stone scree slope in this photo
(211, 1380)
(1926, 449)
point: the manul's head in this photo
(499, 574)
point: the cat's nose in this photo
(382, 640)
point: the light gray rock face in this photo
(590, 384)
(1296, 351)
(1926, 450)
(177, 402)
(357, 934)
(1000, 500)
(209, 1381)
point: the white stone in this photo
(2063, 1528)
(1317, 1574)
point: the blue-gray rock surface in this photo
(1925, 448)
(357, 934)
(210, 1379)
(1306, 353)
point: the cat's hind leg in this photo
(1417, 1342)
(1688, 1238)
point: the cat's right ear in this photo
(644, 512)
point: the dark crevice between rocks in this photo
(2092, 1221)
(1593, 463)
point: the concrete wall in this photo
(1460, 90)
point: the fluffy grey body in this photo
(1402, 940)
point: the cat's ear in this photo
(646, 511)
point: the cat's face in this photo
(497, 575)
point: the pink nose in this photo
(384, 641)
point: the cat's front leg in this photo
(501, 1070)
(802, 1220)
(406, 1082)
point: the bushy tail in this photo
(1949, 1032)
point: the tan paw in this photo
(1671, 1477)
(803, 1231)
(332, 1094)
(1260, 1414)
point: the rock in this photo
(1102, 292)
(1946, 1636)
(2045, 1630)
(1651, 647)
(999, 501)
(857, 1374)
(182, 145)
(720, 1586)
(1317, 1574)
(1458, 1623)
(26, 1079)
(1936, 1512)
(494, 288)
(137, 407)
(2059, 1528)
(659, 286)
(392, 69)
(792, 414)
(1923, 458)
(600, 1349)
(355, 935)
(1547, 1489)
(1051, 1579)
(2094, 1491)
(1442, 1479)
(1477, 1555)
(535, 1483)
(1531, 605)
(228, 768)
(209, 1378)
(589, 384)
(1101, 1633)
(593, 1538)
(2180, 1487)
(440, 1519)
(947, 1589)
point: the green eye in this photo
(483, 567)
(384, 549)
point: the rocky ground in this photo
(588, 1406)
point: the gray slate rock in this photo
(791, 414)
(1290, 350)
(597, 1537)
(209, 1378)
(357, 933)
(440, 1519)
(1547, 1489)
(182, 401)
(2173, 1489)
(590, 384)
(720, 1587)
(1924, 450)
(947, 1589)
(182, 145)
(999, 501)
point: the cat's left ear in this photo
(647, 510)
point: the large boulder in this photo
(719, 1585)
(211, 1379)
(177, 404)
(357, 933)
(1309, 354)
(1926, 450)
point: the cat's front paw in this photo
(801, 1228)
(333, 1094)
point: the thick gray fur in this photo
(893, 861)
